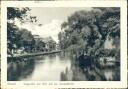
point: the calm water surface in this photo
(60, 67)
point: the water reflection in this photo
(19, 70)
(92, 72)
(61, 67)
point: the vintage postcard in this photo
(63, 44)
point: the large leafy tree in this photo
(88, 31)
(26, 40)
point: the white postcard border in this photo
(76, 84)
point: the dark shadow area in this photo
(20, 69)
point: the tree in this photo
(12, 37)
(26, 40)
(13, 32)
(88, 30)
(80, 27)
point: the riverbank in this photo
(33, 54)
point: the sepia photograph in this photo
(63, 44)
(54, 45)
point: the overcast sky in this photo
(51, 19)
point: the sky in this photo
(51, 19)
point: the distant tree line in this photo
(87, 32)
